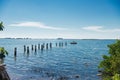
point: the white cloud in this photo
(35, 24)
(100, 29)
(93, 28)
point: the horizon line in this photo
(59, 39)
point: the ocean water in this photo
(71, 62)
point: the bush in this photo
(3, 52)
(111, 63)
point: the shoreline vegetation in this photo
(3, 52)
(110, 66)
(3, 73)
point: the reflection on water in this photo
(15, 58)
(55, 60)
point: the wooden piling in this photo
(50, 45)
(15, 51)
(32, 48)
(56, 44)
(42, 46)
(59, 44)
(24, 48)
(47, 46)
(35, 48)
(28, 49)
(38, 46)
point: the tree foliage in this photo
(3, 52)
(116, 77)
(111, 63)
(1, 26)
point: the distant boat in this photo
(59, 38)
(73, 42)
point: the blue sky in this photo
(96, 19)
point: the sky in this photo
(69, 19)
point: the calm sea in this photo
(71, 62)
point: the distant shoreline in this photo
(59, 39)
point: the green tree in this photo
(111, 63)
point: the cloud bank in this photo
(35, 24)
(100, 29)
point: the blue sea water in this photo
(71, 62)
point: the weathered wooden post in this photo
(56, 44)
(32, 48)
(35, 48)
(28, 49)
(47, 46)
(15, 51)
(42, 47)
(59, 44)
(38, 46)
(50, 45)
(24, 48)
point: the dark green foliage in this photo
(111, 63)
(3, 52)
(1, 26)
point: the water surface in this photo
(71, 62)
